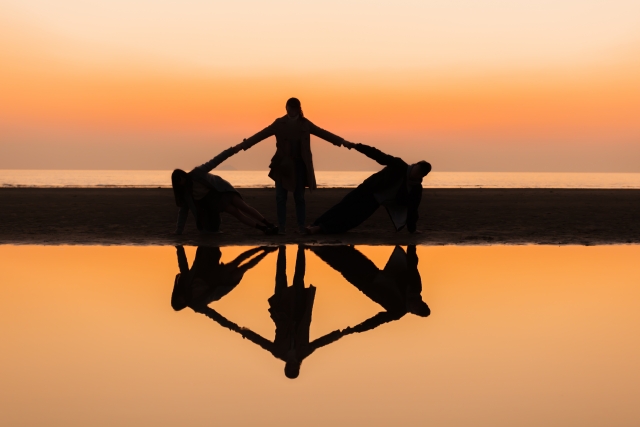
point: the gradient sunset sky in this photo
(467, 85)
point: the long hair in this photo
(181, 183)
(294, 103)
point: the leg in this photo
(298, 275)
(246, 209)
(298, 195)
(232, 210)
(281, 270)
(281, 205)
(352, 211)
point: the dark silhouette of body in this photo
(292, 165)
(398, 187)
(208, 279)
(207, 195)
(290, 308)
(397, 287)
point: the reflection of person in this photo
(397, 288)
(208, 279)
(292, 165)
(398, 187)
(290, 308)
(207, 195)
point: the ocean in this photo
(326, 179)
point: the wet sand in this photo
(447, 216)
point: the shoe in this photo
(281, 231)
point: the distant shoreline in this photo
(128, 216)
(325, 179)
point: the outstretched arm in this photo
(326, 135)
(326, 340)
(373, 322)
(213, 163)
(226, 323)
(377, 155)
(260, 136)
(183, 264)
(182, 219)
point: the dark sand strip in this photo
(447, 216)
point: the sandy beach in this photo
(447, 216)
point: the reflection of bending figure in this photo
(290, 308)
(208, 279)
(397, 288)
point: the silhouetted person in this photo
(397, 287)
(292, 166)
(207, 195)
(208, 279)
(290, 308)
(397, 187)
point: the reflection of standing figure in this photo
(397, 288)
(208, 279)
(290, 308)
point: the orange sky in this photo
(70, 101)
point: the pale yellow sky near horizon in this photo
(495, 85)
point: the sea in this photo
(325, 179)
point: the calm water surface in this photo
(347, 179)
(440, 336)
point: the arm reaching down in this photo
(213, 163)
(377, 155)
(326, 135)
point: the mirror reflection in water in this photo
(396, 288)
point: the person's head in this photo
(294, 108)
(178, 300)
(179, 182)
(292, 365)
(292, 369)
(419, 170)
(418, 307)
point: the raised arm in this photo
(260, 136)
(226, 323)
(213, 163)
(326, 135)
(377, 155)
(183, 264)
(183, 213)
(326, 340)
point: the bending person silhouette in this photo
(291, 166)
(398, 187)
(397, 287)
(208, 279)
(290, 308)
(207, 195)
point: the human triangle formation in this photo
(397, 288)
(397, 187)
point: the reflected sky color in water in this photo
(529, 336)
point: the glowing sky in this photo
(467, 85)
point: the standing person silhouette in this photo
(291, 166)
